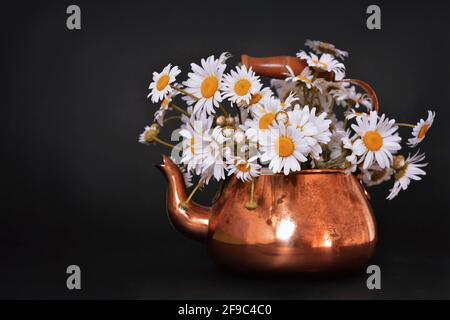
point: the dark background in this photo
(77, 188)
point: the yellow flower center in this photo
(243, 167)
(285, 146)
(242, 86)
(255, 98)
(304, 79)
(320, 64)
(373, 140)
(191, 144)
(401, 172)
(209, 86)
(423, 131)
(266, 120)
(378, 175)
(162, 82)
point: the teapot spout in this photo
(193, 220)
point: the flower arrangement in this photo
(312, 122)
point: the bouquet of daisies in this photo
(311, 122)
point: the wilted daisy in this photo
(224, 57)
(335, 145)
(284, 147)
(356, 150)
(160, 86)
(240, 85)
(352, 113)
(244, 169)
(420, 130)
(375, 175)
(315, 129)
(326, 62)
(410, 171)
(324, 47)
(283, 88)
(348, 97)
(149, 134)
(379, 139)
(205, 83)
(161, 112)
(288, 101)
(305, 77)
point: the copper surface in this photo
(308, 222)
(275, 67)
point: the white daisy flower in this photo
(375, 175)
(305, 77)
(240, 85)
(348, 97)
(315, 129)
(356, 151)
(258, 98)
(205, 83)
(420, 130)
(244, 169)
(162, 81)
(410, 171)
(326, 63)
(264, 115)
(194, 134)
(378, 139)
(213, 155)
(285, 147)
(324, 47)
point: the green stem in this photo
(164, 142)
(184, 92)
(251, 204)
(225, 113)
(404, 125)
(179, 109)
(185, 204)
(171, 118)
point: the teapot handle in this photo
(275, 67)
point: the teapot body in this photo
(310, 222)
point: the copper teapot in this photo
(312, 221)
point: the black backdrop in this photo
(77, 188)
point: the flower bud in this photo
(221, 121)
(230, 121)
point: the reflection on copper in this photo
(327, 242)
(285, 229)
(307, 222)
